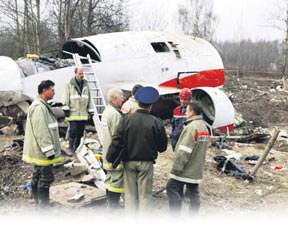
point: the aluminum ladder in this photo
(95, 91)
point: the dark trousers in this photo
(175, 191)
(112, 199)
(75, 134)
(41, 180)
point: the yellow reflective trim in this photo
(42, 162)
(77, 118)
(110, 188)
(120, 167)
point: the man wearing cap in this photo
(179, 116)
(131, 105)
(190, 154)
(141, 135)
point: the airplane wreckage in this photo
(166, 61)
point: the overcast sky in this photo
(246, 19)
(237, 19)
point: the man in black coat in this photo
(138, 139)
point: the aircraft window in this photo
(160, 47)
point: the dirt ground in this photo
(261, 102)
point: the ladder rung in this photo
(92, 81)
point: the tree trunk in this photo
(67, 8)
(25, 28)
(285, 68)
(38, 30)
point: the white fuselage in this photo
(129, 58)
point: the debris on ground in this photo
(76, 195)
(229, 167)
(260, 107)
(14, 172)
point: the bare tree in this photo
(260, 56)
(149, 15)
(25, 22)
(196, 18)
(76, 18)
(26, 28)
(279, 19)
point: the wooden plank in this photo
(62, 193)
(266, 151)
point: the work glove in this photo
(51, 157)
(91, 114)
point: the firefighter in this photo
(141, 136)
(78, 107)
(131, 105)
(179, 116)
(110, 120)
(41, 143)
(190, 154)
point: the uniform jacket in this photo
(110, 121)
(177, 121)
(78, 103)
(190, 151)
(130, 106)
(141, 135)
(41, 135)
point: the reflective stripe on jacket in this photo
(41, 135)
(110, 121)
(78, 104)
(190, 151)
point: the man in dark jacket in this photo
(138, 139)
(179, 116)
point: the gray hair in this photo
(113, 93)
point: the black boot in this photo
(43, 197)
(70, 150)
(35, 193)
(77, 141)
(113, 200)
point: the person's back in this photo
(139, 138)
(146, 136)
(131, 105)
(187, 169)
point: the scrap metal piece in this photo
(86, 155)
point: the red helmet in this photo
(185, 94)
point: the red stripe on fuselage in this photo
(227, 128)
(207, 78)
(201, 133)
